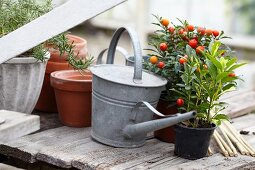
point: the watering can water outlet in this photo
(124, 98)
(133, 130)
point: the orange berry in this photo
(161, 64)
(164, 22)
(208, 31)
(201, 30)
(171, 29)
(163, 46)
(181, 31)
(193, 43)
(153, 59)
(205, 66)
(180, 102)
(182, 60)
(200, 49)
(215, 33)
(190, 27)
(231, 75)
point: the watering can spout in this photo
(131, 131)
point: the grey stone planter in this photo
(21, 81)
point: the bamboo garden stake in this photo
(232, 141)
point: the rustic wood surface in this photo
(8, 167)
(17, 124)
(72, 147)
(239, 103)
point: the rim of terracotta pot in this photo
(61, 75)
(77, 41)
(67, 80)
(23, 59)
(55, 66)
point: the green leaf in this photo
(228, 86)
(231, 62)
(221, 76)
(201, 115)
(214, 61)
(215, 48)
(212, 68)
(221, 117)
(180, 85)
(217, 122)
(235, 66)
(228, 79)
(187, 87)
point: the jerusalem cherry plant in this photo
(205, 79)
(168, 52)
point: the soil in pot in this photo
(73, 97)
(166, 134)
(192, 143)
(47, 101)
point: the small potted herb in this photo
(205, 78)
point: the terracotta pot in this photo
(73, 97)
(47, 101)
(166, 134)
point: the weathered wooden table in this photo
(66, 147)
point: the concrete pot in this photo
(47, 101)
(21, 80)
(73, 96)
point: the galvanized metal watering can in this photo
(129, 59)
(123, 100)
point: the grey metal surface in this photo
(131, 131)
(121, 50)
(137, 51)
(130, 60)
(125, 75)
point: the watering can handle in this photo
(149, 106)
(118, 48)
(136, 47)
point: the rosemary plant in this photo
(14, 14)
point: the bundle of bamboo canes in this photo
(233, 141)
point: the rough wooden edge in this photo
(22, 155)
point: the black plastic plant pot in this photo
(192, 143)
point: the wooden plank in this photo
(51, 24)
(244, 121)
(111, 159)
(8, 167)
(217, 161)
(17, 124)
(240, 103)
(63, 155)
(27, 147)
